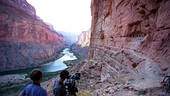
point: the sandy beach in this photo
(47, 64)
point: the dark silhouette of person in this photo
(34, 89)
(59, 87)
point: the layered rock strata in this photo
(129, 47)
(80, 48)
(25, 41)
(84, 38)
(82, 45)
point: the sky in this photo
(72, 16)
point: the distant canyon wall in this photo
(125, 30)
(82, 44)
(84, 38)
(25, 40)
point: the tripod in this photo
(72, 92)
(166, 83)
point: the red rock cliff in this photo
(25, 40)
(84, 38)
(82, 44)
(129, 41)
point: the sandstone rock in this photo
(129, 39)
(84, 38)
(25, 41)
(82, 44)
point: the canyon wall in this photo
(84, 38)
(82, 44)
(25, 40)
(129, 46)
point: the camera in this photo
(70, 84)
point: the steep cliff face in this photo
(82, 44)
(136, 25)
(84, 38)
(129, 46)
(25, 41)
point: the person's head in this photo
(36, 75)
(64, 74)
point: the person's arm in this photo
(23, 93)
(57, 92)
(44, 93)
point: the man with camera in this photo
(59, 87)
(69, 87)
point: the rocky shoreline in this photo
(13, 78)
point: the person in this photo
(59, 87)
(34, 89)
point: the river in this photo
(58, 64)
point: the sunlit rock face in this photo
(129, 46)
(84, 38)
(25, 41)
(82, 44)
